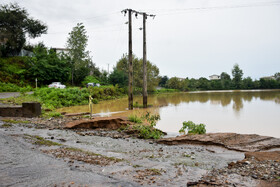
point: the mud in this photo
(95, 157)
(112, 123)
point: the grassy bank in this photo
(52, 98)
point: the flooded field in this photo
(245, 112)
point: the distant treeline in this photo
(225, 82)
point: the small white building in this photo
(269, 78)
(214, 77)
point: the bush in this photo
(135, 119)
(148, 132)
(56, 98)
(192, 128)
(9, 87)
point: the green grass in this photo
(135, 119)
(51, 114)
(154, 171)
(93, 154)
(136, 166)
(14, 121)
(38, 140)
(6, 125)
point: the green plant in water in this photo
(152, 119)
(192, 128)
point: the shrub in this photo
(148, 132)
(9, 87)
(135, 119)
(192, 128)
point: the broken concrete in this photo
(263, 156)
(99, 122)
(231, 141)
(31, 109)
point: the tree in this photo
(225, 81)
(225, 76)
(248, 83)
(237, 74)
(163, 81)
(15, 23)
(80, 59)
(203, 83)
(176, 83)
(118, 77)
(152, 72)
(47, 66)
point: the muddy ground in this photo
(41, 153)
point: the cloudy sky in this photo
(187, 38)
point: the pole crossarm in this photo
(125, 11)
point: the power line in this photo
(178, 11)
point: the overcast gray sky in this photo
(187, 38)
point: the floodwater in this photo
(245, 111)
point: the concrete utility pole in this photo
(130, 68)
(145, 93)
(130, 74)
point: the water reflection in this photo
(230, 111)
(225, 98)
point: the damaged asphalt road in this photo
(71, 158)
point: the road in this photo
(11, 94)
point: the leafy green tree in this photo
(203, 83)
(193, 84)
(118, 77)
(216, 85)
(225, 81)
(225, 76)
(277, 76)
(176, 83)
(163, 81)
(15, 24)
(47, 66)
(269, 84)
(152, 72)
(248, 83)
(237, 74)
(80, 60)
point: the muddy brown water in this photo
(245, 112)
